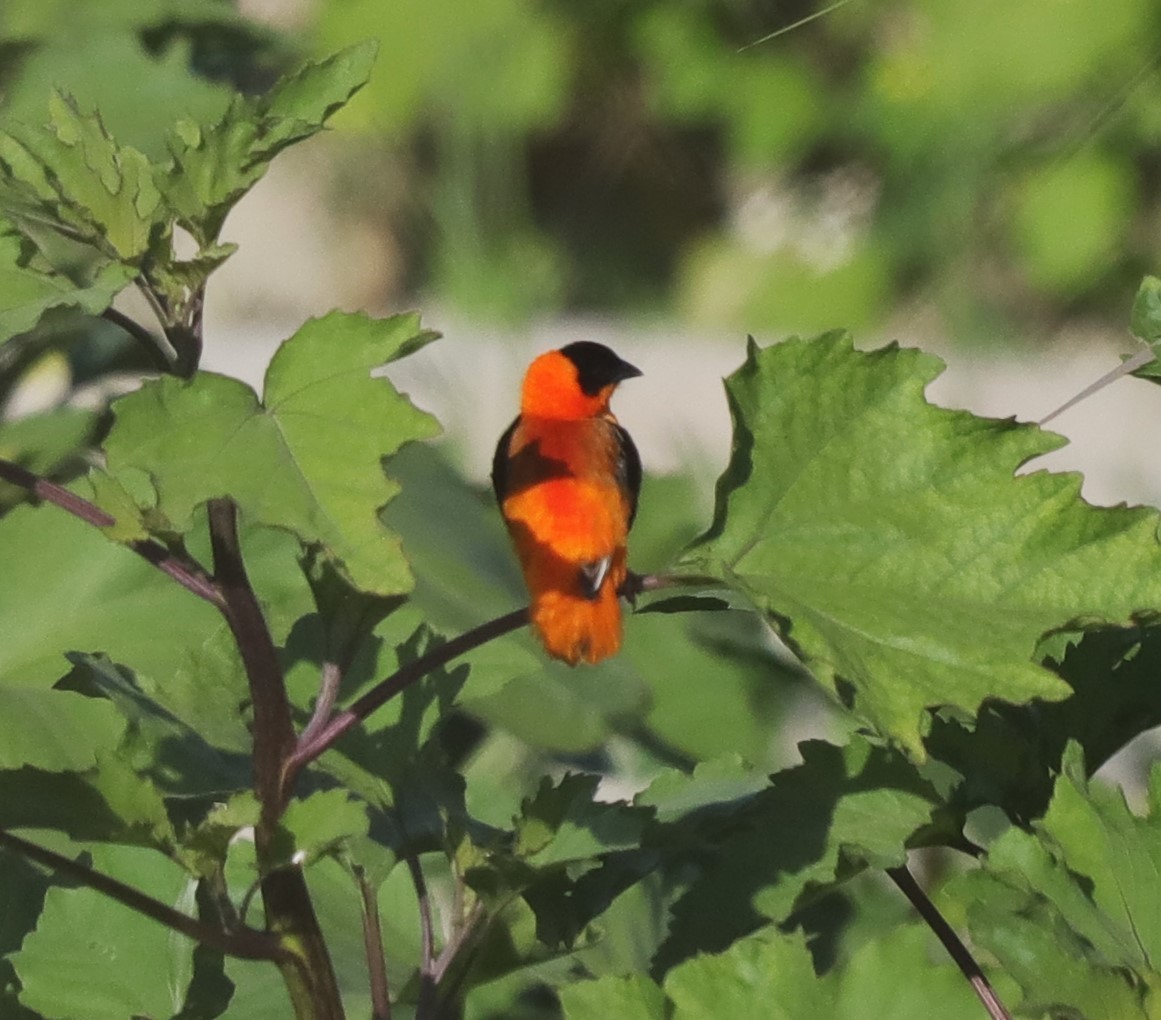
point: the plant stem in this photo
(243, 943)
(425, 1007)
(184, 570)
(147, 340)
(373, 947)
(951, 942)
(289, 911)
(399, 681)
(317, 738)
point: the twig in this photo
(328, 691)
(139, 333)
(314, 741)
(243, 943)
(425, 1006)
(373, 947)
(399, 681)
(186, 572)
(951, 942)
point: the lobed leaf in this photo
(306, 459)
(1072, 909)
(215, 164)
(892, 543)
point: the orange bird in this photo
(567, 476)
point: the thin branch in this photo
(459, 937)
(142, 335)
(186, 572)
(244, 943)
(328, 692)
(425, 1006)
(399, 681)
(314, 742)
(373, 947)
(951, 942)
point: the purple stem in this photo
(185, 571)
(244, 943)
(951, 941)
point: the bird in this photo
(567, 478)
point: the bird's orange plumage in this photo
(567, 475)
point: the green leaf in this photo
(633, 997)
(563, 823)
(888, 536)
(768, 975)
(27, 292)
(321, 824)
(1145, 319)
(101, 192)
(41, 442)
(56, 731)
(139, 967)
(842, 809)
(306, 459)
(1073, 911)
(712, 783)
(1009, 755)
(215, 164)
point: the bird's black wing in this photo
(628, 470)
(500, 462)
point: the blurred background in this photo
(980, 178)
(975, 178)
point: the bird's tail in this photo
(575, 627)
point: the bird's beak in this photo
(626, 371)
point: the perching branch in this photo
(243, 943)
(184, 570)
(317, 738)
(951, 942)
(312, 745)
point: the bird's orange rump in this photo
(567, 476)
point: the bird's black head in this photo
(597, 366)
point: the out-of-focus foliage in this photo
(992, 162)
(991, 159)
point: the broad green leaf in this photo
(633, 997)
(891, 541)
(306, 459)
(92, 957)
(902, 972)
(177, 758)
(215, 164)
(321, 824)
(563, 823)
(1072, 910)
(712, 783)
(27, 292)
(768, 976)
(55, 731)
(842, 809)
